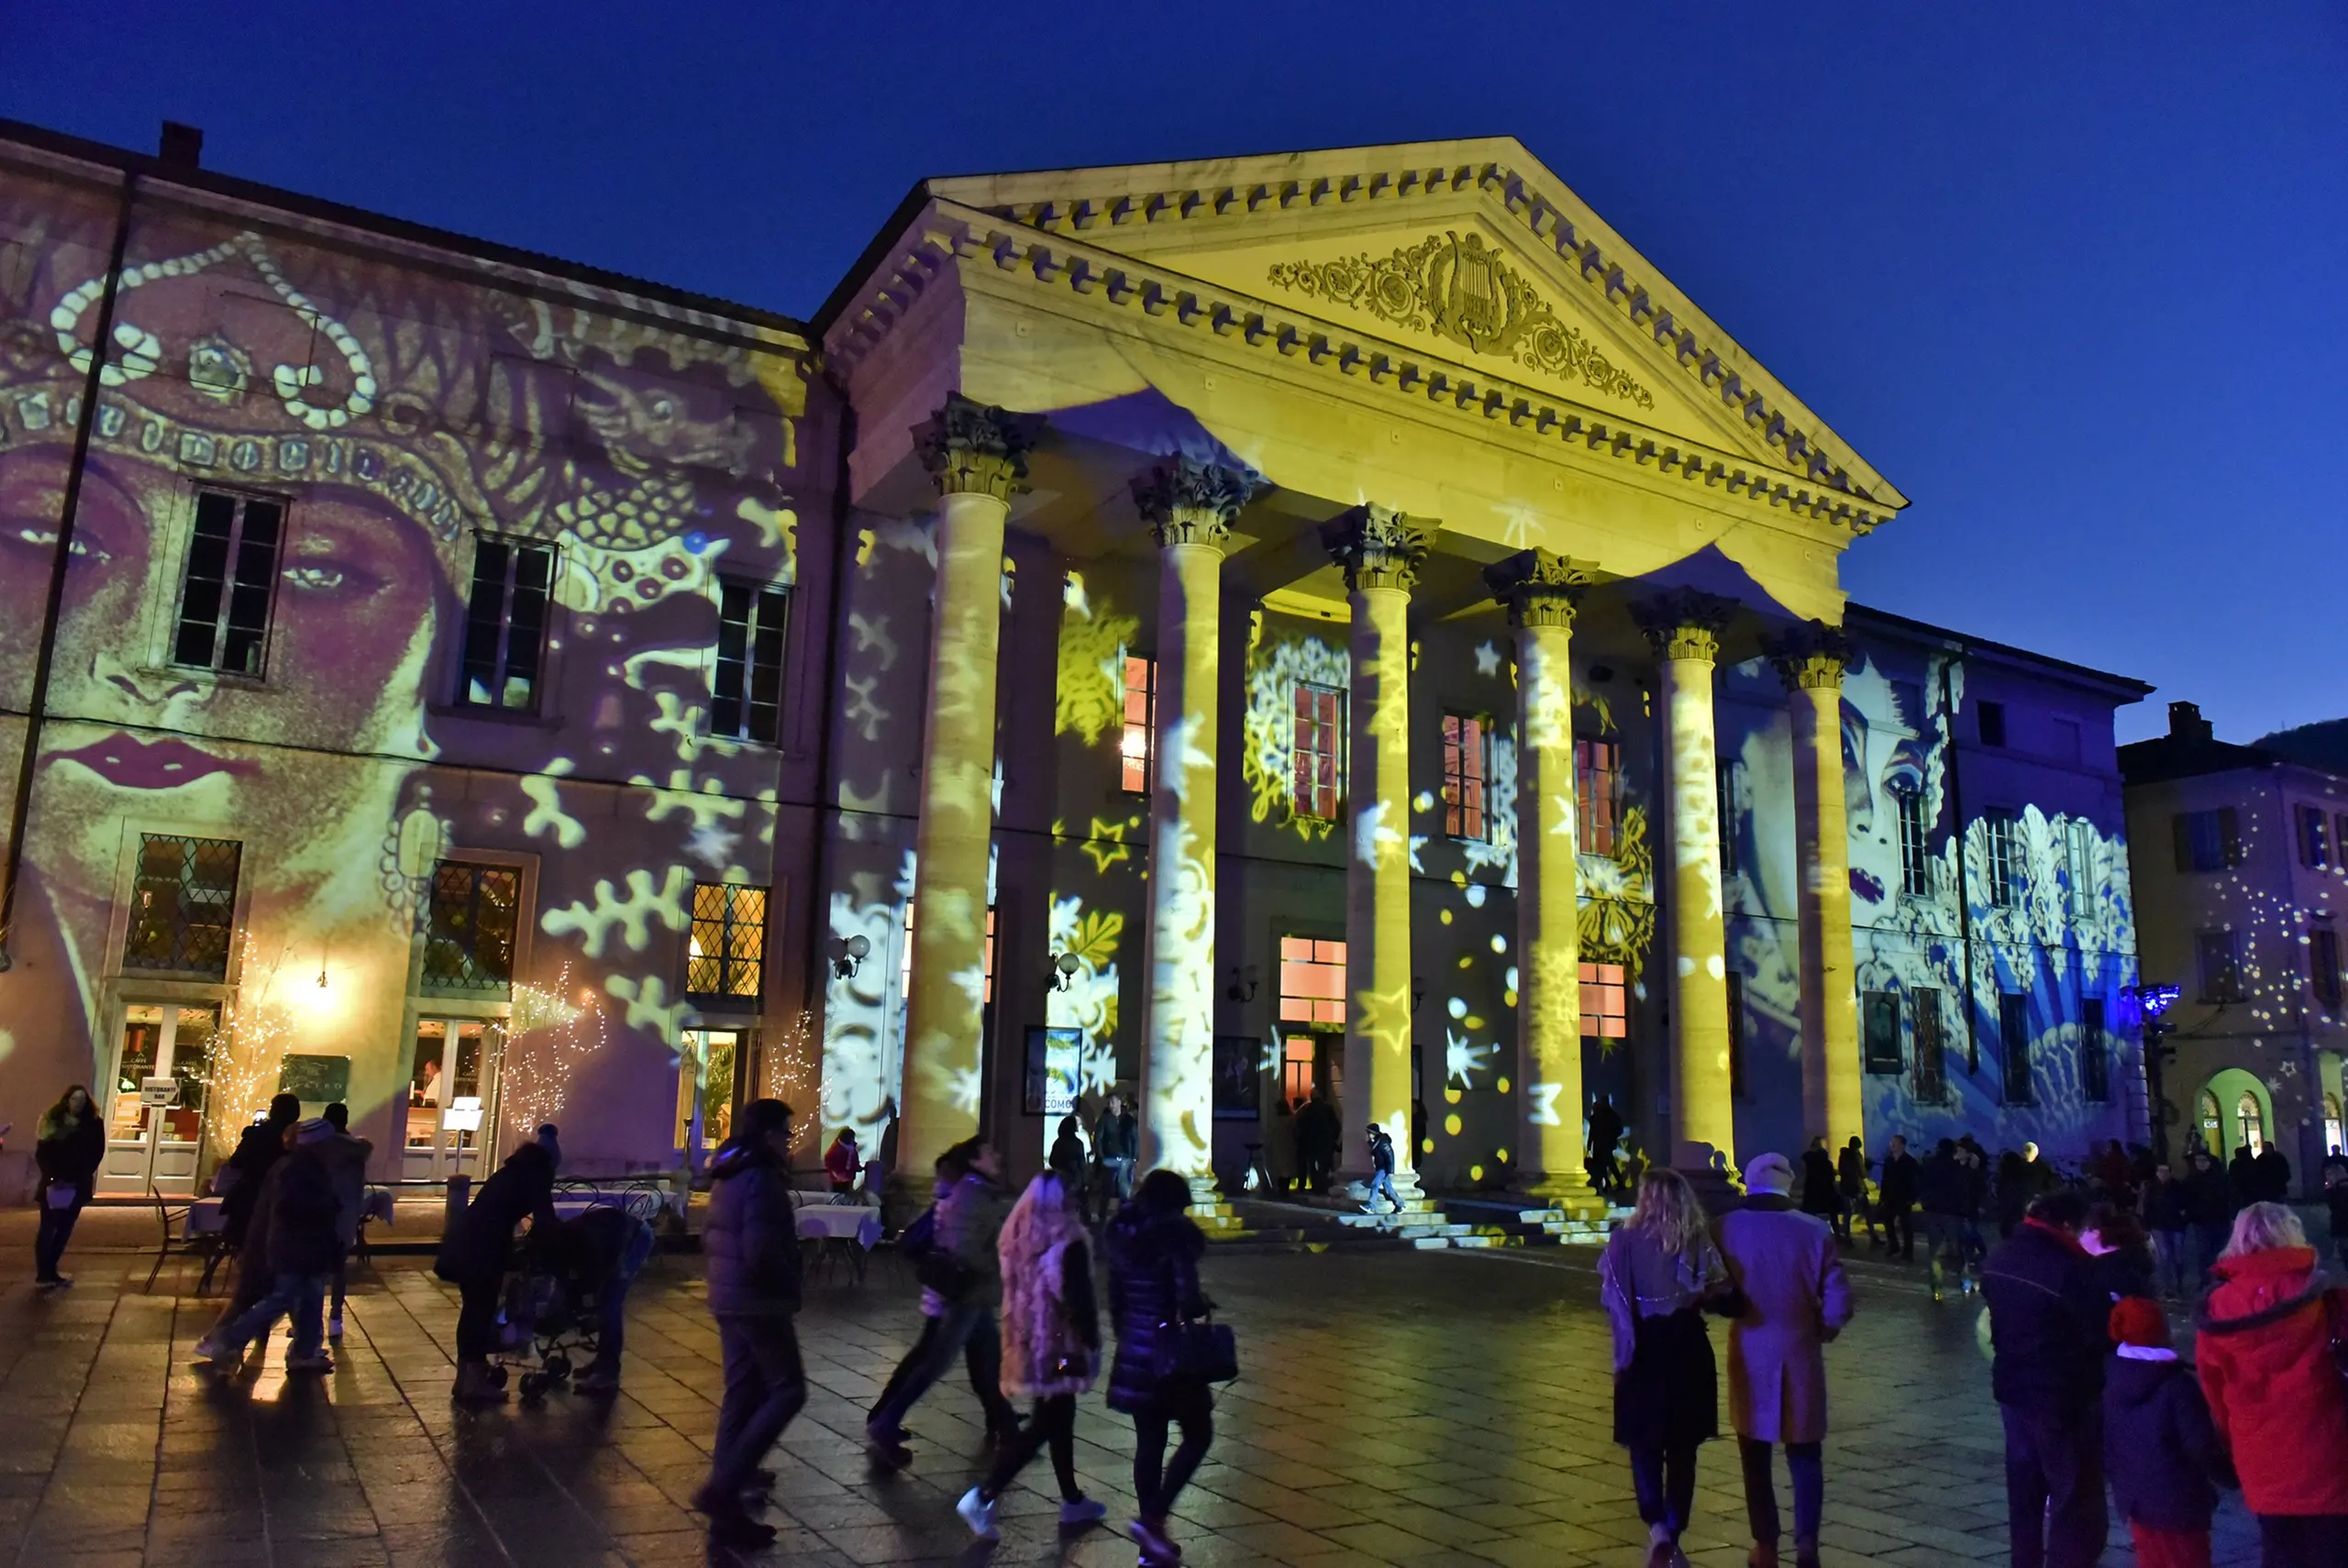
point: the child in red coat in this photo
(2161, 1450)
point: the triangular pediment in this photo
(1469, 252)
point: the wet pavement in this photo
(1419, 1409)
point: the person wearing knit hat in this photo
(2161, 1450)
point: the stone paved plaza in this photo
(1416, 1408)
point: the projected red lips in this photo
(130, 764)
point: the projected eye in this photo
(317, 579)
(1905, 772)
(85, 547)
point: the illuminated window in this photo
(2078, 857)
(1879, 1025)
(1992, 718)
(2333, 1130)
(986, 963)
(231, 577)
(1466, 776)
(2220, 962)
(745, 689)
(505, 624)
(725, 950)
(1597, 782)
(2212, 1132)
(2323, 965)
(2250, 1126)
(2315, 843)
(1312, 981)
(1300, 1067)
(2000, 857)
(986, 960)
(1915, 859)
(1931, 1046)
(1735, 1034)
(2014, 1041)
(2095, 1063)
(469, 929)
(1605, 1002)
(1320, 750)
(1141, 717)
(2208, 841)
(184, 902)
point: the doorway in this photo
(155, 1107)
(711, 1064)
(452, 1098)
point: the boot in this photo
(1805, 1554)
(1765, 1555)
(1661, 1548)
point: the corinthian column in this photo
(1541, 591)
(1188, 507)
(978, 455)
(1379, 550)
(1685, 627)
(1812, 660)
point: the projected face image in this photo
(1885, 756)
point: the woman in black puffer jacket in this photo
(1154, 1251)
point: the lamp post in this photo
(2153, 999)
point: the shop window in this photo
(725, 950)
(2333, 1132)
(2250, 1124)
(505, 624)
(2095, 1058)
(1312, 981)
(2013, 1042)
(1319, 751)
(2207, 841)
(1915, 858)
(2220, 962)
(2315, 842)
(231, 580)
(2000, 858)
(1466, 776)
(1597, 784)
(1931, 1046)
(2213, 1135)
(2323, 965)
(1879, 1024)
(1141, 719)
(469, 929)
(1605, 1002)
(745, 687)
(183, 903)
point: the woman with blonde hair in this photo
(2265, 1350)
(1051, 1346)
(1658, 1275)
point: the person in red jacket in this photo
(2265, 1362)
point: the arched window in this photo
(2250, 1126)
(2213, 1135)
(2333, 1129)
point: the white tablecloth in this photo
(840, 1222)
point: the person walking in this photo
(1051, 1348)
(1382, 1170)
(1154, 1251)
(2159, 1448)
(2047, 1328)
(2242, 1178)
(1118, 1140)
(2265, 1349)
(259, 1146)
(1605, 1132)
(1789, 1273)
(2211, 1207)
(1658, 1275)
(346, 1160)
(2168, 1215)
(1316, 1140)
(478, 1248)
(1896, 1199)
(1069, 1158)
(962, 1286)
(2274, 1175)
(1941, 1188)
(296, 1233)
(1851, 1187)
(1818, 1195)
(68, 1147)
(752, 1240)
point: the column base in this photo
(1570, 1196)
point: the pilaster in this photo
(1812, 660)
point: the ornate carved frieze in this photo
(1684, 623)
(1378, 546)
(1185, 501)
(1463, 290)
(1811, 657)
(1540, 588)
(976, 448)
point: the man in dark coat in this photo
(2047, 1328)
(1316, 1140)
(1896, 1199)
(751, 1241)
(259, 1146)
(2211, 1202)
(295, 1233)
(1605, 1132)
(2242, 1179)
(2274, 1175)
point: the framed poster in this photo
(1050, 1071)
(1238, 1077)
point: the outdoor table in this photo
(841, 1230)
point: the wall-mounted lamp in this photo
(1243, 983)
(1064, 967)
(853, 953)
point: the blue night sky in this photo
(2075, 278)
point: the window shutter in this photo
(2229, 833)
(2181, 829)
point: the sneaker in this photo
(1082, 1511)
(887, 1448)
(741, 1529)
(334, 1327)
(209, 1348)
(318, 1361)
(978, 1514)
(1156, 1552)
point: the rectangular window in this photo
(1320, 751)
(2095, 1062)
(2315, 843)
(986, 962)
(1915, 858)
(1605, 1002)
(1992, 719)
(2001, 861)
(183, 903)
(1879, 1023)
(2323, 965)
(745, 689)
(2340, 831)
(1931, 1046)
(505, 624)
(1141, 717)
(231, 577)
(1466, 775)
(1312, 981)
(725, 950)
(2078, 865)
(2220, 962)
(2013, 1040)
(1597, 794)
(2208, 841)
(1735, 1035)
(469, 929)
(1724, 806)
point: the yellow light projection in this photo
(1276, 668)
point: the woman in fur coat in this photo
(1051, 1346)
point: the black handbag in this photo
(1194, 1350)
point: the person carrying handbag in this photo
(961, 1279)
(1154, 1251)
(68, 1149)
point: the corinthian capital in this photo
(1540, 588)
(1185, 501)
(1811, 657)
(976, 448)
(1684, 623)
(1378, 546)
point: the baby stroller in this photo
(550, 1323)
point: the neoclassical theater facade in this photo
(1332, 623)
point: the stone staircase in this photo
(1301, 1222)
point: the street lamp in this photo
(2153, 998)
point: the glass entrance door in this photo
(155, 1104)
(452, 1099)
(709, 1073)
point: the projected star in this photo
(1488, 659)
(1542, 1102)
(1463, 1058)
(1371, 836)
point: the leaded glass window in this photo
(726, 949)
(183, 905)
(469, 933)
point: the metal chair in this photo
(172, 1217)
